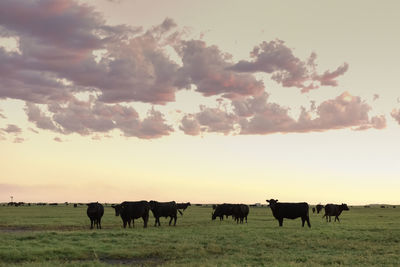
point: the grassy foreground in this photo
(60, 235)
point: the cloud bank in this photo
(66, 48)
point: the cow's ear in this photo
(267, 200)
(87, 204)
(276, 200)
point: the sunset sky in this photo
(200, 101)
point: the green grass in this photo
(48, 236)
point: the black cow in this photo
(221, 210)
(240, 212)
(319, 208)
(313, 210)
(131, 210)
(334, 210)
(95, 211)
(164, 209)
(182, 206)
(75, 205)
(289, 211)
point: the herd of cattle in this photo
(131, 210)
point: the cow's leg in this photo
(91, 224)
(303, 220)
(175, 220)
(308, 221)
(99, 223)
(337, 217)
(280, 221)
(125, 222)
(133, 223)
(145, 220)
(129, 223)
(170, 221)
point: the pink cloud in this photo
(12, 128)
(396, 115)
(255, 115)
(57, 139)
(18, 140)
(207, 68)
(91, 117)
(58, 42)
(277, 59)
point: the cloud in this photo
(1, 115)
(37, 116)
(33, 130)
(92, 116)
(18, 140)
(396, 115)
(255, 115)
(66, 48)
(12, 128)
(276, 58)
(58, 40)
(208, 120)
(208, 69)
(345, 111)
(190, 125)
(58, 139)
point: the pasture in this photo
(60, 235)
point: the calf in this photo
(95, 211)
(289, 211)
(334, 210)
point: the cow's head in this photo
(117, 208)
(152, 204)
(344, 206)
(213, 216)
(272, 203)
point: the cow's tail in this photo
(180, 212)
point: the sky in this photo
(205, 101)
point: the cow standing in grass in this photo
(319, 208)
(95, 211)
(164, 209)
(222, 210)
(240, 212)
(289, 211)
(182, 206)
(334, 210)
(131, 210)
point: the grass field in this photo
(60, 235)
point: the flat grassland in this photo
(60, 235)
